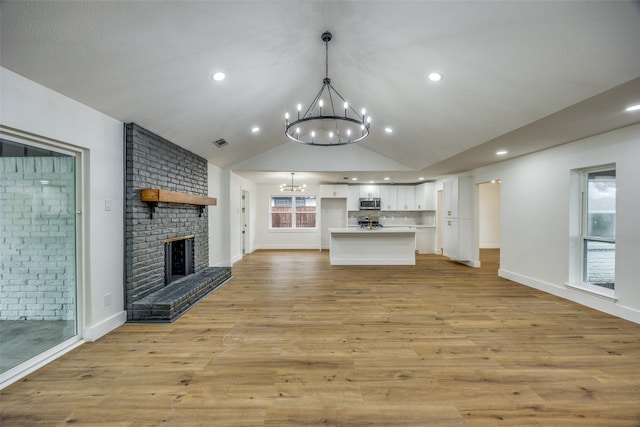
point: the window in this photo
(599, 228)
(293, 212)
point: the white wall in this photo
(535, 217)
(218, 186)
(270, 239)
(32, 108)
(489, 215)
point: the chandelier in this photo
(329, 120)
(290, 187)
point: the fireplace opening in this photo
(179, 254)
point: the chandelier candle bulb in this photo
(320, 103)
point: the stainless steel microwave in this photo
(370, 204)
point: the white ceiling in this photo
(518, 75)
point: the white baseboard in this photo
(289, 246)
(94, 332)
(596, 301)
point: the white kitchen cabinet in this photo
(353, 198)
(337, 190)
(450, 187)
(369, 191)
(457, 239)
(406, 197)
(388, 198)
(458, 197)
(425, 240)
(457, 233)
(426, 196)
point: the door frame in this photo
(83, 303)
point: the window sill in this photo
(293, 230)
(607, 294)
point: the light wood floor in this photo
(293, 341)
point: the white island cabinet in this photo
(383, 246)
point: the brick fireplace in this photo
(151, 292)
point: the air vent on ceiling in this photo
(221, 142)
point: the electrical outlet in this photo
(107, 300)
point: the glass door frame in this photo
(81, 156)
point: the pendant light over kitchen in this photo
(292, 188)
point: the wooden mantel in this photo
(153, 196)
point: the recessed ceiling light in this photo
(421, 178)
(501, 152)
(633, 108)
(386, 178)
(354, 179)
(435, 77)
(255, 129)
(372, 182)
(388, 130)
(219, 76)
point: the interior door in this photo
(245, 222)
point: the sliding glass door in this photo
(38, 283)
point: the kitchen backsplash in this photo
(388, 218)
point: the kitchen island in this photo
(378, 246)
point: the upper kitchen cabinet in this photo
(406, 197)
(337, 190)
(458, 197)
(369, 191)
(388, 198)
(353, 198)
(450, 201)
(426, 196)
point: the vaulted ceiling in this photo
(518, 75)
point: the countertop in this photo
(382, 230)
(399, 226)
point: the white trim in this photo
(92, 333)
(470, 263)
(22, 370)
(236, 258)
(590, 290)
(599, 302)
(285, 246)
